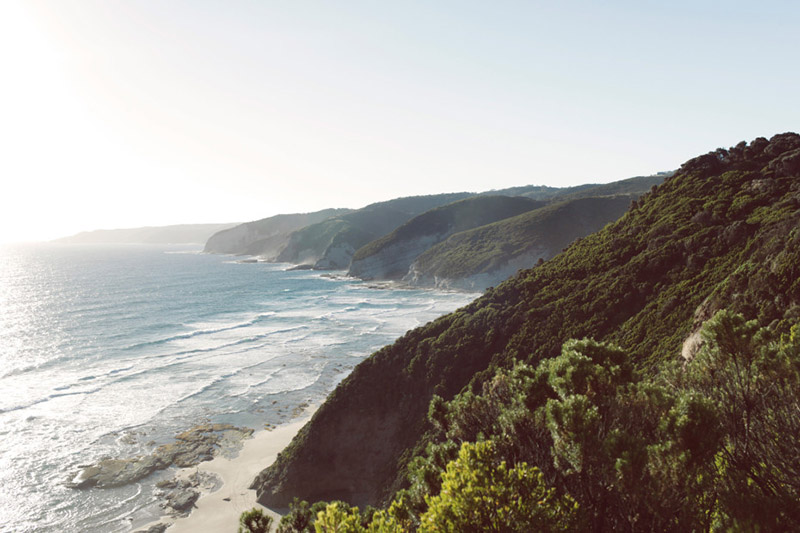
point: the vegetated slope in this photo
(721, 233)
(266, 237)
(330, 244)
(175, 234)
(636, 185)
(390, 256)
(485, 256)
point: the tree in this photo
(753, 381)
(254, 521)
(481, 493)
(338, 518)
(299, 519)
(635, 453)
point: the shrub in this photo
(254, 521)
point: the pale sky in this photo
(121, 114)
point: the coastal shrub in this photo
(480, 493)
(338, 518)
(299, 519)
(254, 521)
(633, 452)
(753, 380)
(709, 445)
(302, 515)
(646, 292)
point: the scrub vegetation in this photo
(614, 432)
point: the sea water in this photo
(109, 351)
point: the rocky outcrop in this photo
(190, 448)
(179, 494)
(158, 528)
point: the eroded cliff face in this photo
(392, 262)
(479, 281)
(336, 257)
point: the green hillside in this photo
(266, 237)
(721, 233)
(330, 244)
(485, 257)
(636, 185)
(390, 256)
(541, 233)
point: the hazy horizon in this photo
(143, 113)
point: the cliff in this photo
(722, 232)
(390, 257)
(266, 237)
(330, 244)
(482, 258)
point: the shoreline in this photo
(218, 511)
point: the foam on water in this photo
(112, 350)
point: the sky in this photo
(118, 114)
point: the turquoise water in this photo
(112, 350)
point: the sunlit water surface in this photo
(112, 350)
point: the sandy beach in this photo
(218, 511)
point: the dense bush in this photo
(721, 233)
(254, 521)
(586, 442)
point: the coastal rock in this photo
(201, 443)
(180, 493)
(182, 500)
(116, 472)
(158, 528)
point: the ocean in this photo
(109, 351)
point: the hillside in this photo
(636, 185)
(485, 256)
(176, 234)
(720, 233)
(483, 259)
(266, 237)
(330, 244)
(390, 256)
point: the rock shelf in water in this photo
(201, 443)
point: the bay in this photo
(109, 351)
